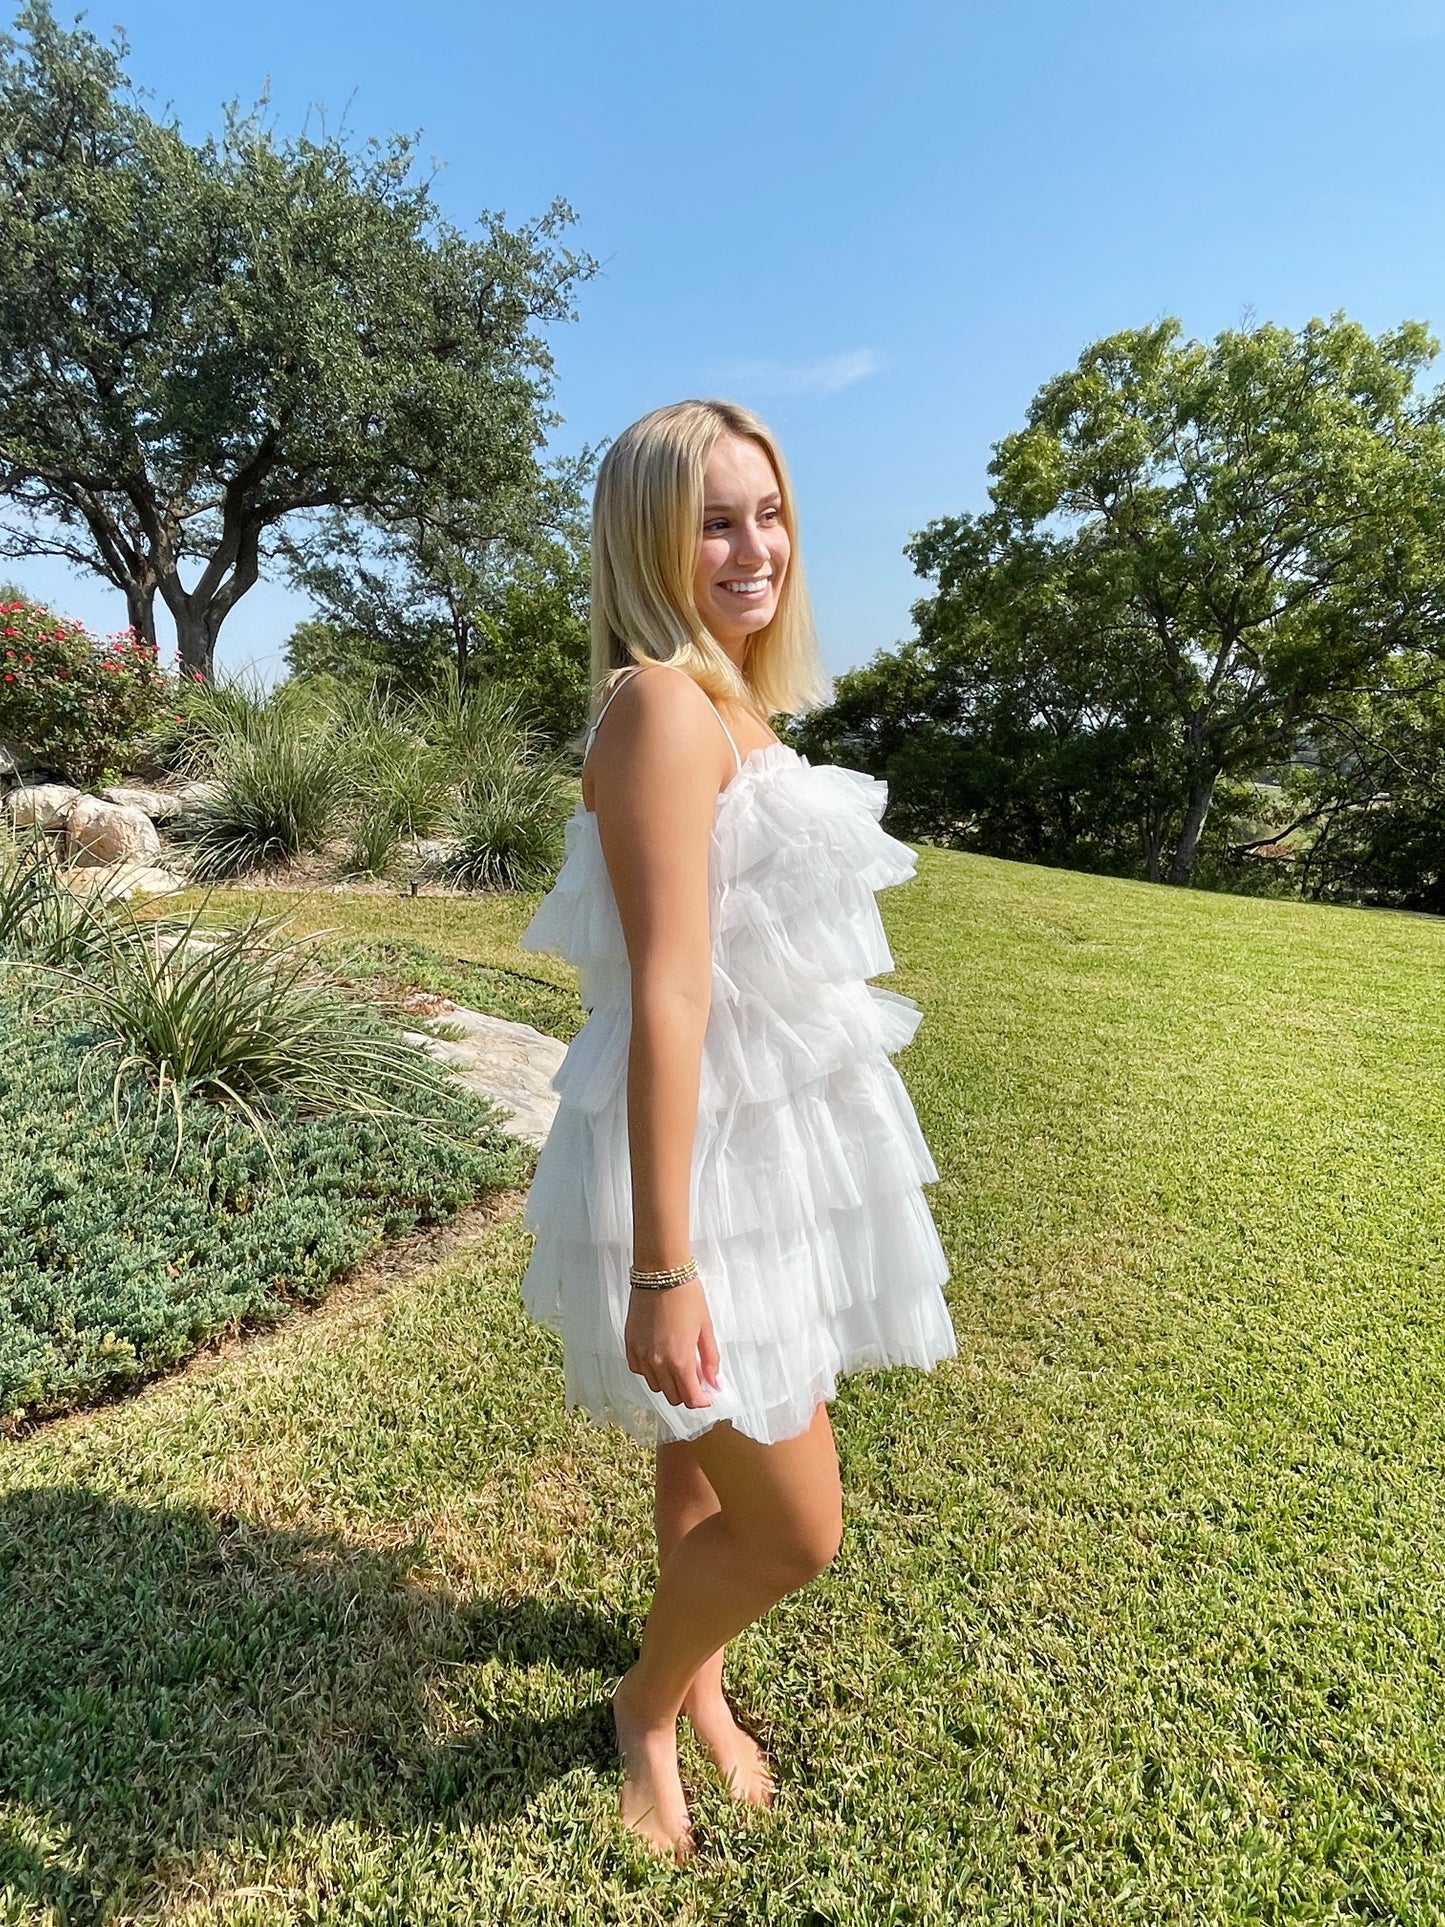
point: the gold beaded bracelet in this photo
(664, 1280)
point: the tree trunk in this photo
(140, 607)
(1200, 798)
(196, 632)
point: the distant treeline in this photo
(1199, 633)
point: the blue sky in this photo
(882, 227)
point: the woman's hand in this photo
(670, 1343)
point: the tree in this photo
(471, 589)
(1189, 548)
(1367, 822)
(198, 342)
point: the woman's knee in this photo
(802, 1545)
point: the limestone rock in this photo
(424, 855)
(159, 805)
(193, 796)
(512, 1063)
(121, 880)
(102, 833)
(41, 806)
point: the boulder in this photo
(425, 855)
(193, 796)
(102, 833)
(121, 880)
(159, 805)
(511, 1063)
(41, 806)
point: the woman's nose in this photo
(750, 544)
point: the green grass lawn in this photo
(1138, 1617)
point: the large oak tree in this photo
(199, 341)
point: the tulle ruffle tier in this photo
(815, 1244)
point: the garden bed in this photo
(114, 1267)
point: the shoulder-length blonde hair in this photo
(646, 524)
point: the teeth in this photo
(747, 588)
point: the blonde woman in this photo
(729, 1208)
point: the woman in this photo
(728, 1207)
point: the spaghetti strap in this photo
(682, 672)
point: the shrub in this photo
(80, 705)
(510, 800)
(508, 824)
(401, 780)
(281, 773)
(40, 920)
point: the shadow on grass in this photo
(171, 1681)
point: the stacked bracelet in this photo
(664, 1280)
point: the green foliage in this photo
(281, 776)
(117, 1262)
(513, 798)
(508, 823)
(199, 341)
(237, 1018)
(1192, 550)
(41, 922)
(80, 705)
(401, 780)
(480, 592)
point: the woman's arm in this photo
(657, 768)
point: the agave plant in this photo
(238, 1019)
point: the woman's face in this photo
(742, 553)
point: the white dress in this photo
(815, 1246)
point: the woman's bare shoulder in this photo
(660, 725)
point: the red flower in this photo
(8, 676)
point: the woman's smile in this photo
(744, 546)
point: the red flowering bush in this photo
(81, 705)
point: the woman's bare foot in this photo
(653, 1804)
(736, 1754)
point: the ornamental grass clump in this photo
(280, 772)
(402, 781)
(240, 1021)
(41, 922)
(510, 801)
(80, 705)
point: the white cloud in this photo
(828, 375)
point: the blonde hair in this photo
(646, 524)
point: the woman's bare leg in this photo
(684, 1498)
(778, 1524)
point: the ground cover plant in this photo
(199, 1127)
(1138, 1615)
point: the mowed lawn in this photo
(1139, 1612)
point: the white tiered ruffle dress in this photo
(816, 1249)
